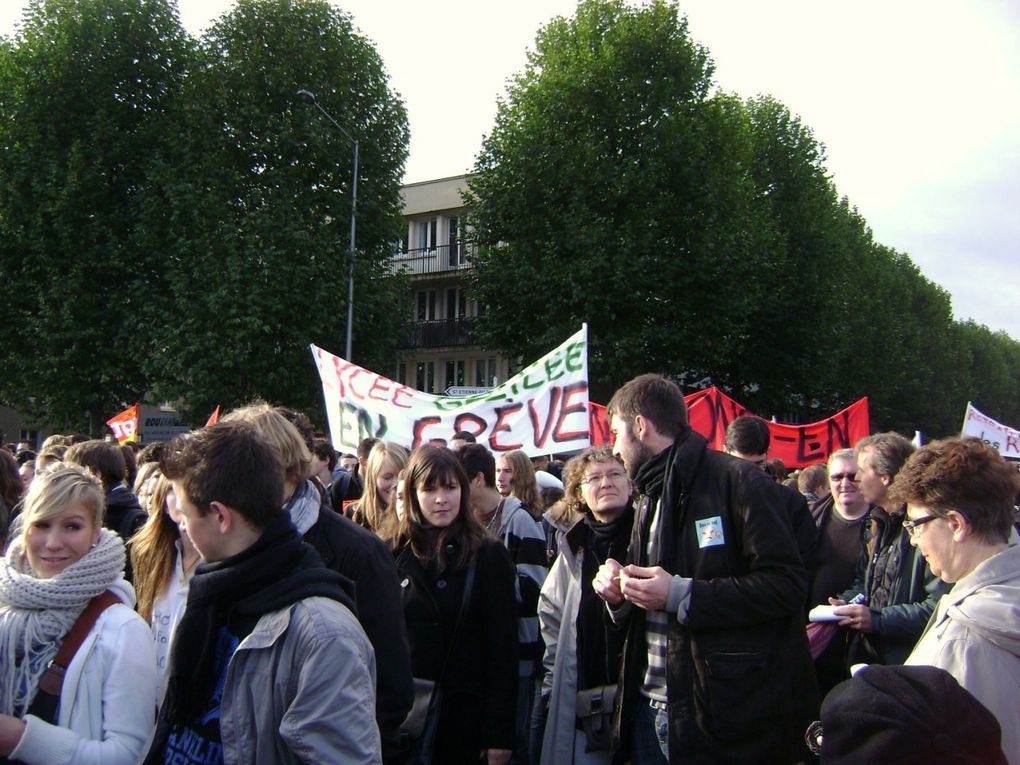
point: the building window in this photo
(486, 373)
(456, 303)
(426, 305)
(426, 234)
(455, 373)
(425, 377)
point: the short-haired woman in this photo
(582, 654)
(61, 559)
(472, 656)
(959, 495)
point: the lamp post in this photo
(310, 98)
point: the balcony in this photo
(439, 333)
(435, 261)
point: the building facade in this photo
(441, 349)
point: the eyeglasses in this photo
(837, 477)
(914, 526)
(596, 480)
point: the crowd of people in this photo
(247, 594)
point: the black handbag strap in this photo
(468, 586)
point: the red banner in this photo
(710, 411)
(125, 425)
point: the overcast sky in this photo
(916, 101)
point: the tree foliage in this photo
(174, 221)
(85, 90)
(701, 236)
(252, 208)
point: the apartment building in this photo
(441, 349)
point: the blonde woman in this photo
(164, 560)
(385, 462)
(61, 558)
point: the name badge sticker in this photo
(710, 532)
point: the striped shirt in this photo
(524, 538)
(656, 624)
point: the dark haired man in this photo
(748, 438)
(716, 663)
(900, 592)
(269, 664)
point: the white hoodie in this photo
(106, 702)
(974, 635)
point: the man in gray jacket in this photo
(268, 663)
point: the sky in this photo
(916, 101)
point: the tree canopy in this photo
(700, 235)
(174, 220)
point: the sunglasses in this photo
(837, 477)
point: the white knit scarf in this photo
(35, 614)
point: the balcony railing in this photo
(434, 261)
(437, 333)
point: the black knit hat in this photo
(907, 715)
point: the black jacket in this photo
(365, 559)
(914, 592)
(124, 515)
(479, 688)
(740, 681)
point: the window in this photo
(425, 377)
(426, 234)
(458, 252)
(456, 303)
(486, 373)
(455, 373)
(426, 305)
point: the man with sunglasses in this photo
(899, 590)
(841, 519)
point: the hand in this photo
(836, 602)
(11, 730)
(496, 756)
(607, 582)
(858, 617)
(646, 587)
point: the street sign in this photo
(460, 390)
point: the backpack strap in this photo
(52, 681)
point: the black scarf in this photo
(661, 480)
(598, 648)
(275, 572)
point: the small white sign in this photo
(460, 390)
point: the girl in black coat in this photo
(438, 543)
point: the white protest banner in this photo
(1004, 439)
(541, 410)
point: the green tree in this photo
(613, 190)
(252, 206)
(84, 89)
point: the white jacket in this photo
(106, 702)
(974, 635)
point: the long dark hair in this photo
(430, 466)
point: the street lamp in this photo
(310, 98)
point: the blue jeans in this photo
(650, 739)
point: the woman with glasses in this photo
(959, 495)
(582, 655)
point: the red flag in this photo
(214, 417)
(125, 425)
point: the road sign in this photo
(460, 390)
